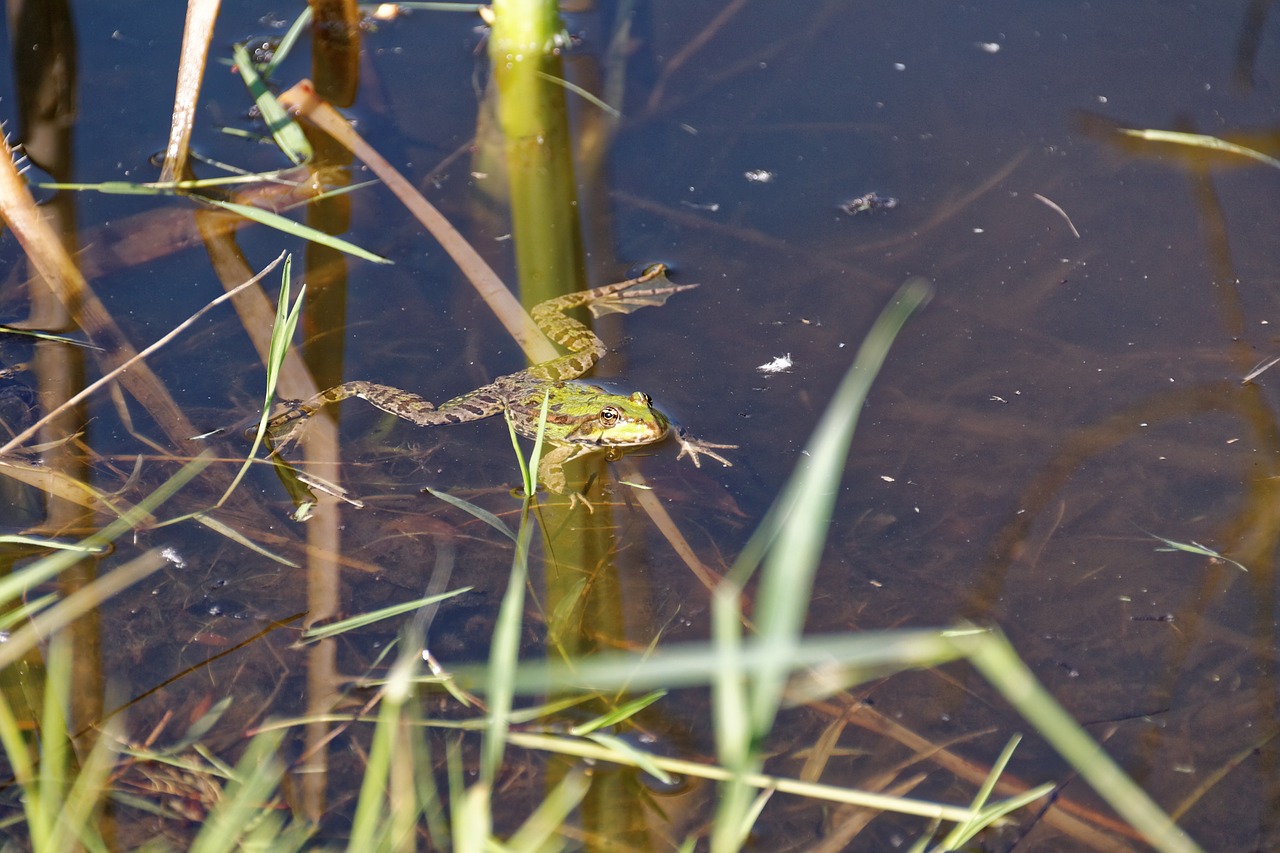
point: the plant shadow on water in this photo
(1060, 444)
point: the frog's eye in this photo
(610, 414)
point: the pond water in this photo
(1072, 392)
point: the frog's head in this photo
(591, 416)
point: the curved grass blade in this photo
(240, 814)
(582, 93)
(1199, 140)
(794, 530)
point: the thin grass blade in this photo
(475, 511)
(14, 585)
(787, 582)
(255, 780)
(364, 619)
(296, 229)
(504, 656)
(994, 657)
(242, 540)
(537, 833)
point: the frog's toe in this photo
(694, 447)
(577, 498)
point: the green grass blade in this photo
(504, 656)
(620, 714)
(200, 727)
(536, 833)
(301, 24)
(14, 585)
(990, 815)
(288, 135)
(368, 824)
(53, 735)
(787, 581)
(789, 542)
(364, 619)
(1200, 140)
(582, 93)
(961, 833)
(51, 544)
(47, 336)
(1195, 548)
(586, 749)
(116, 187)
(529, 472)
(635, 757)
(697, 664)
(475, 511)
(515, 445)
(77, 824)
(23, 767)
(242, 540)
(994, 657)
(296, 229)
(282, 330)
(246, 797)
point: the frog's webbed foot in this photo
(625, 296)
(691, 447)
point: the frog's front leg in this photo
(551, 468)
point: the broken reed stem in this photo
(197, 35)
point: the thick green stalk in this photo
(534, 121)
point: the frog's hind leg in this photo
(395, 401)
(585, 347)
(286, 426)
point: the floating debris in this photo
(1054, 206)
(1260, 368)
(869, 203)
(780, 364)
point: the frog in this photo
(582, 418)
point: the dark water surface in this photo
(1062, 397)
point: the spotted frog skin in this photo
(581, 418)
